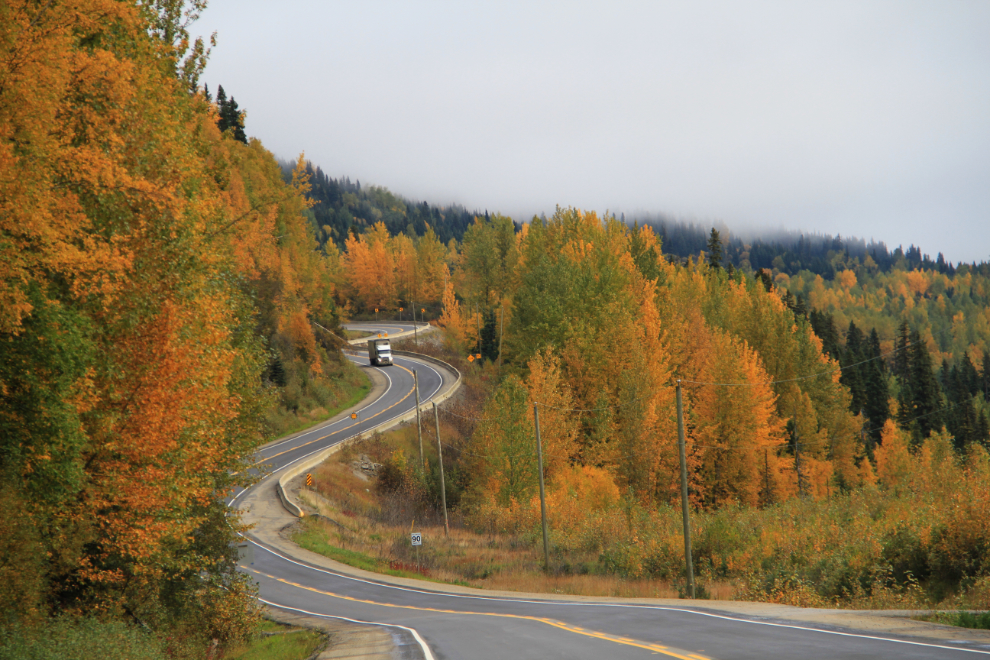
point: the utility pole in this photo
(501, 330)
(797, 460)
(688, 559)
(543, 499)
(415, 335)
(766, 465)
(419, 425)
(443, 487)
(478, 314)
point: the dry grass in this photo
(372, 531)
(462, 557)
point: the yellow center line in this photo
(625, 641)
(411, 390)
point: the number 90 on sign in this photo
(417, 538)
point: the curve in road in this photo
(477, 625)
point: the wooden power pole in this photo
(419, 425)
(443, 487)
(689, 561)
(543, 498)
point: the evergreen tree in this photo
(963, 422)
(983, 429)
(230, 117)
(715, 249)
(877, 404)
(901, 355)
(764, 278)
(852, 372)
(221, 102)
(925, 401)
(947, 376)
(985, 376)
(969, 379)
(489, 336)
(824, 326)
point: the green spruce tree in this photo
(715, 249)
(852, 371)
(926, 395)
(877, 405)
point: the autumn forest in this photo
(171, 297)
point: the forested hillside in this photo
(159, 290)
(170, 297)
(795, 389)
(341, 208)
(792, 252)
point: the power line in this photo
(769, 382)
(802, 378)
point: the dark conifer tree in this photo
(969, 379)
(877, 407)
(926, 396)
(764, 278)
(229, 116)
(947, 375)
(489, 336)
(901, 354)
(715, 249)
(824, 326)
(983, 429)
(221, 102)
(852, 372)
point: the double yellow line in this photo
(625, 641)
(362, 421)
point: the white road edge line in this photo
(427, 365)
(617, 605)
(339, 421)
(233, 501)
(427, 654)
(566, 603)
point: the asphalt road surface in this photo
(482, 627)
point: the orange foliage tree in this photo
(139, 252)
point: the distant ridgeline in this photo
(342, 205)
(862, 300)
(792, 252)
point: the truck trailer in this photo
(379, 352)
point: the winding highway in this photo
(431, 621)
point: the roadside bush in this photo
(79, 639)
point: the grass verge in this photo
(278, 642)
(975, 620)
(307, 400)
(356, 396)
(314, 537)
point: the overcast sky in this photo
(869, 119)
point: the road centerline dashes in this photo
(624, 641)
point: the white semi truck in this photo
(379, 352)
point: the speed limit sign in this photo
(417, 538)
